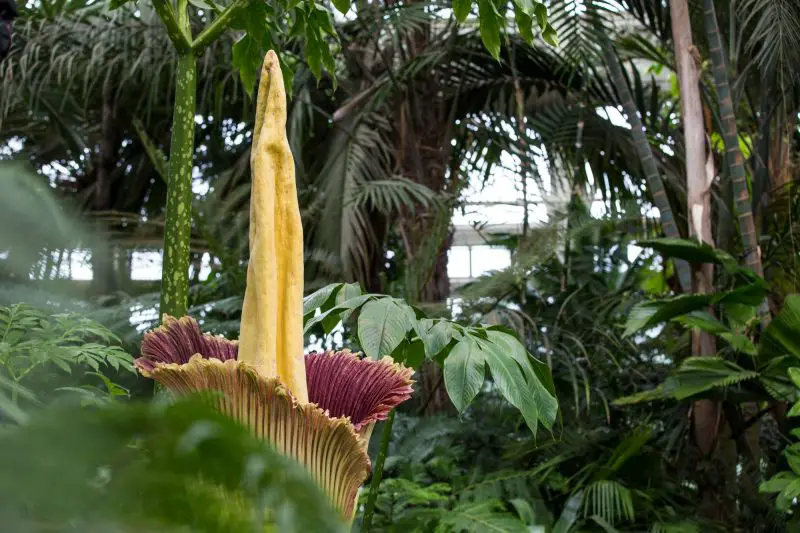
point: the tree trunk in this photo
(730, 135)
(423, 140)
(700, 174)
(102, 261)
(655, 184)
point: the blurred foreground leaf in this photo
(146, 467)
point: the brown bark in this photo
(715, 465)
(423, 140)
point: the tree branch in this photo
(215, 29)
(167, 16)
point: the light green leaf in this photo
(541, 14)
(550, 36)
(570, 513)
(794, 411)
(794, 375)
(337, 310)
(777, 482)
(510, 381)
(464, 372)
(691, 250)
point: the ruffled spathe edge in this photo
(176, 341)
(364, 390)
(328, 447)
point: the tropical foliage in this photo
(588, 385)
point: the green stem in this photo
(377, 473)
(220, 24)
(175, 31)
(178, 224)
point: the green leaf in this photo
(538, 377)
(527, 6)
(782, 336)
(116, 4)
(246, 59)
(541, 14)
(382, 326)
(777, 482)
(435, 335)
(337, 311)
(792, 454)
(342, 5)
(411, 354)
(700, 374)
(649, 314)
(704, 321)
(794, 375)
(794, 411)
(202, 4)
(570, 513)
(645, 396)
(348, 292)
(510, 381)
(464, 372)
(524, 24)
(192, 469)
(550, 36)
(490, 26)
(318, 298)
(462, 8)
(692, 251)
(484, 516)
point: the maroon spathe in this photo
(365, 390)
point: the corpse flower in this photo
(320, 408)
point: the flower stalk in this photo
(320, 409)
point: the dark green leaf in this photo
(317, 299)
(691, 250)
(782, 336)
(649, 314)
(701, 374)
(462, 8)
(342, 5)
(246, 59)
(490, 26)
(524, 24)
